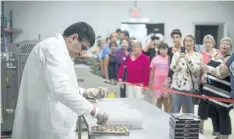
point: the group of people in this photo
(50, 99)
(180, 67)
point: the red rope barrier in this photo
(180, 93)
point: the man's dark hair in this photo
(126, 33)
(118, 30)
(84, 31)
(177, 32)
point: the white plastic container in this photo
(131, 118)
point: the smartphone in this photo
(182, 50)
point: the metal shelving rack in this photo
(3, 35)
(7, 31)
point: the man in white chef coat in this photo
(50, 99)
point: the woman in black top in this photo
(110, 64)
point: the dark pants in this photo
(123, 91)
(221, 119)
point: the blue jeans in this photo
(178, 100)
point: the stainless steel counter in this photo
(155, 124)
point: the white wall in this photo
(48, 18)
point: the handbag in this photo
(195, 100)
(124, 79)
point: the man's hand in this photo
(101, 117)
(99, 93)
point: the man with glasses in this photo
(50, 99)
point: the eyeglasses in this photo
(84, 46)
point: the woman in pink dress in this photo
(159, 75)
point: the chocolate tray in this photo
(177, 134)
(184, 126)
(184, 130)
(181, 137)
(184, 118)
(109, 130)
(177, 121)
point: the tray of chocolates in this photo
(182, 137)
(182, 118)
(184, 126)
(109, 130)
(185, 130)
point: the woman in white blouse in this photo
(186, 66)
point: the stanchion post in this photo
(79, 127)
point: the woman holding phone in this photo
(186, 65)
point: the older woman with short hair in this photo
(209, 51)
(137, 67)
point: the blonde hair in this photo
(136, 42)
(227, 39)
(208, 37)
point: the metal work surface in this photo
(86, 79)
(155, 124)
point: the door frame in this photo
(220, 24)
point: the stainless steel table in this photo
(155, 124)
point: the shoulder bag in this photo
(196, 100)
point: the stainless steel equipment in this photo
(87, 79)
(22, 51)
(9, 90)
(12, 65)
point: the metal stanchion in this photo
(79, 127)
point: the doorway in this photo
(159, 27)
(217, 30)
(202, 30)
